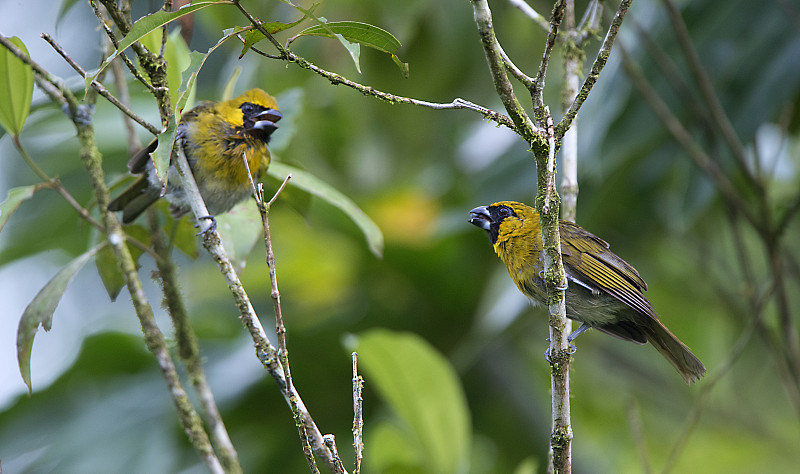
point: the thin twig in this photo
(336, 79)
(358, 418)
(100, 88)
(590, 23)
(597, 67)
(280, 331)
(555, 22)
(522, 123)
(526, 80)
(124, 97)
(531, 13)
(718, 115)
(330, 442)
(287, 55)
(635, 422)
(110, 34)
(685, 139)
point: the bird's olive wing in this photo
(589, 259)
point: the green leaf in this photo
(145, 25)
(391, 446)
(422, 388)
(161, 155)
(65, 7)
(230, 84)
(16, 89)
(107, 264)
(184, 236)
(253, 36)
(40, 310)
(362, 34)
(311, 184)
(240, 229)
(108, 269)
(15, 197)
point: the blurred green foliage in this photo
(416, 172)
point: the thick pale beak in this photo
(480, 217)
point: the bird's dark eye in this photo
(504, 211)
(248, 108)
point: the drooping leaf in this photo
(65, 7)
(107, 264)
(40, 311)
(360, 33)
(230, 84)
(16, 89)
(422, 388)
(15, 197)
(321, 189)
(109, 272)
(161, 155)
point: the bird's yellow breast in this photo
(519, 246)
(216, 145)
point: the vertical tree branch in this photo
(556, 284)
(569, 144)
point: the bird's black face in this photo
(489, 218)
(259, 121)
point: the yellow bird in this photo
(214, 137)
(604, 292)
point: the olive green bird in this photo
(603, 292)
(215, 136)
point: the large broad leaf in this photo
(16, 89)
(422, 388)
(311, 184)
(240, 229)
(40, 311)
(363, 34)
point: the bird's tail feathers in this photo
(676, 352)
(134, 200)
